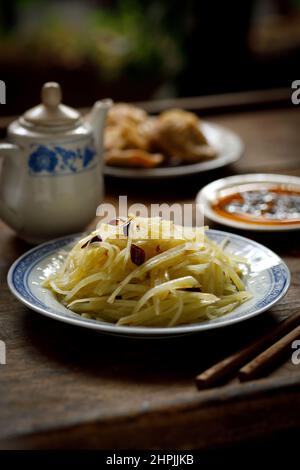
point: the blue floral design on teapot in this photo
(55, 159)
(43, 159)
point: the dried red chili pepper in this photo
(117, 221)
(126, 228)
(137, 255)
(95, 239)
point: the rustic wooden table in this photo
(67, 387)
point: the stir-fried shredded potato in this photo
(149, 272)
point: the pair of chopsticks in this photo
(277, 341)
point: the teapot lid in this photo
(51, 112)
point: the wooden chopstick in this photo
(232, 363)
(268, 358)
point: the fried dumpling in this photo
(178, 133)
(122, 112)
(134, 158)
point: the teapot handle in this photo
(7, 150)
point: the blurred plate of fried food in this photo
(174, 143)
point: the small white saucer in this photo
(211, 193)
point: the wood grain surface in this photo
(64, 386)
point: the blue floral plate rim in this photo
(20, 271)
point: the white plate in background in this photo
(229, 146)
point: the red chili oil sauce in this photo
(260, 203)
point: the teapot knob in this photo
(52, 113)
(51, 94)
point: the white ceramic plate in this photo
(211, 193)
(268, 281)
(228, 145)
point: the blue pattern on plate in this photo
(23, 268)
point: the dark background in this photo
(135, 50)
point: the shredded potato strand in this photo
(183, 276)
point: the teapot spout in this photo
(97, 120)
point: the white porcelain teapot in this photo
(51, 178)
